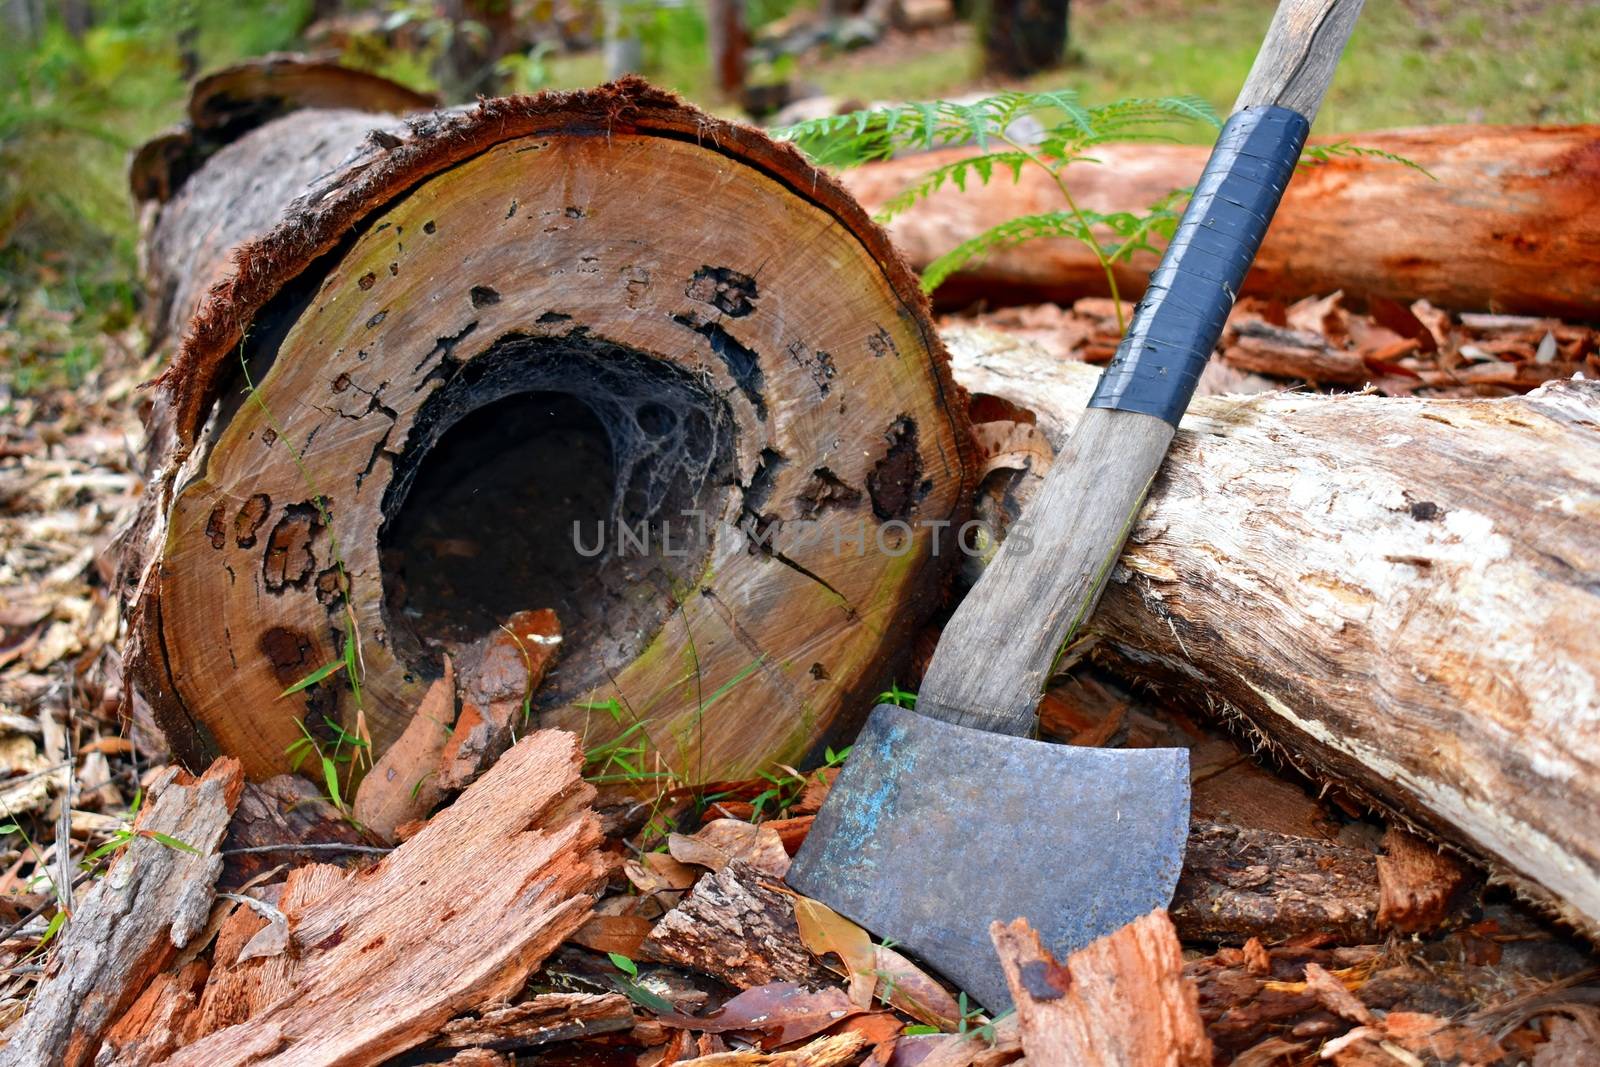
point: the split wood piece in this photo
(403, 785)
(1506, 225)
(1242, 883)
(476, 330)
(1392, 593)
(540, 1020)
(289, 811)
(380, 960)
(152, 1029)
(1419, 884)
(155, 897)
(732, 927)
(1120, 1001)
(500, 673)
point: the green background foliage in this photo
(72, 108)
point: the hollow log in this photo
(593, 352)
(1507, 222)
(1397, 594)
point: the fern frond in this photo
(1322, 153)
(1011, 232)
(958, 174)
(878, 133)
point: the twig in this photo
(315, 846)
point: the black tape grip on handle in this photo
(1178, 322)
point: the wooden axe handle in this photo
(996, 654)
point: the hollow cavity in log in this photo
(562, 472)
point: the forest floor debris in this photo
(1310, 932)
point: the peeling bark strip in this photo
(1120, 1001)
(473, 334)
(1509, 224)
(151, 902)
(1396, 594)
(380, 961)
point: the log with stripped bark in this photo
(594, 352)
(1397, 594)
(1504, 220)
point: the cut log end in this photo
(596, 353)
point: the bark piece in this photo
(403, 784)
(1418, 884)
(732, 927)
(285, 810)
(458, 405)
(1242, 883)
(381, 960)
(1120, 1000)
(1297, 550)
(1470, 240)
(127, 927)
(540, 1020)
(153, 1028)
(499, 676)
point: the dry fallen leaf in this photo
(825, 932)
(782, 1012)
(722, 840)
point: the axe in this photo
(949, 817)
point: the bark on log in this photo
(1509, 224)
(127, 928)
(664, 315)
(1397, 594)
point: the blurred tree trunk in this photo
(727, 38)
(23, 19)
(1023, 37)
(624, 49)
(482, 32)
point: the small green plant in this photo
(900, 698)
(348, 752)
(629, 984)
(1070, 131)
(786, 787)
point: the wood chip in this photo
(1417, 883)
(458, 916)
(1120, 1001)
(404, 783)
(732, 927)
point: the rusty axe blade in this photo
(933, 831)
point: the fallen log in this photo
(697, 342)
(1508, 225)
(1396, 594)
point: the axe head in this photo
(932, 832)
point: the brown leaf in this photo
(912, 990)
(657, 872)
(781, 1012)
(722, 840)
(621, 934)
(827, 933)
